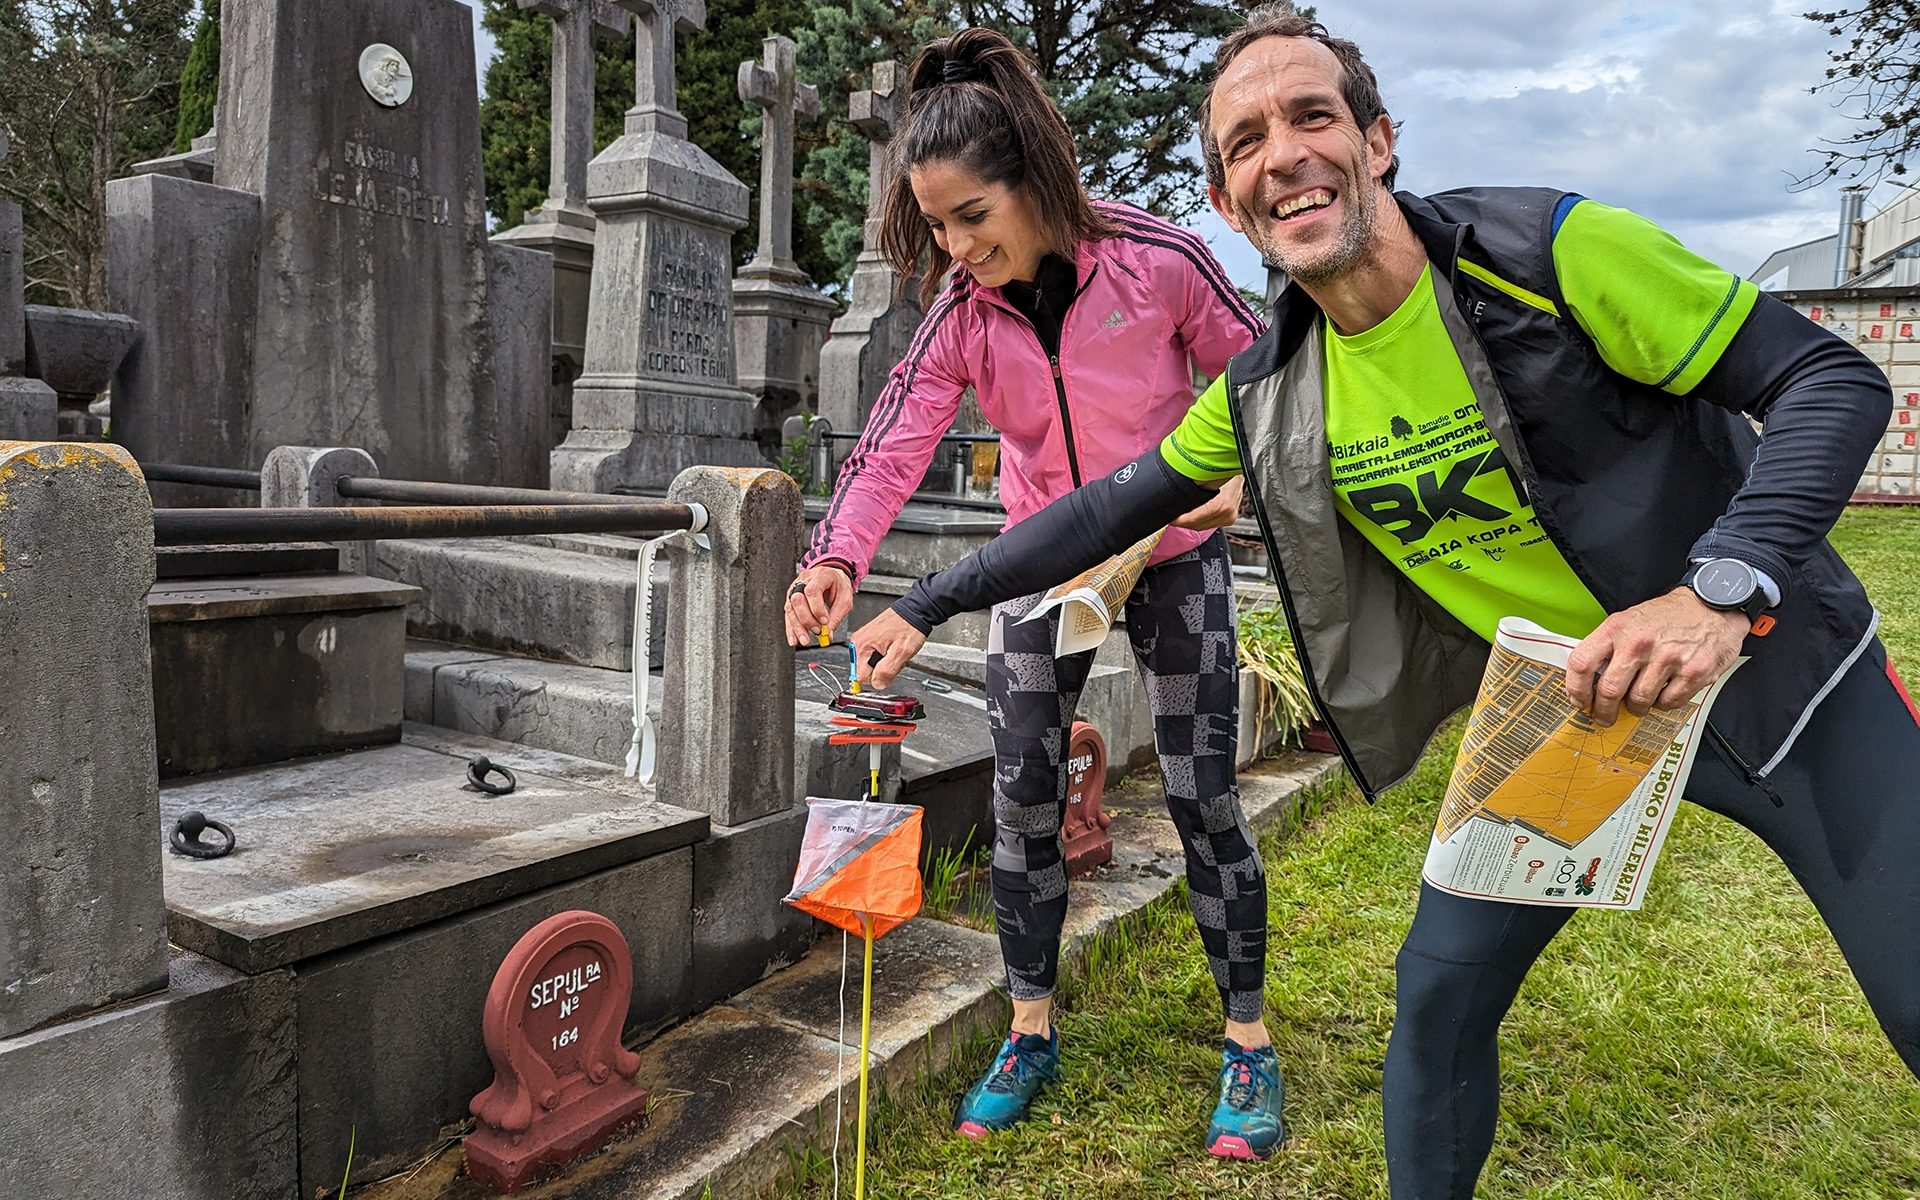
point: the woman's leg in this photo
(1181, 622)
(1180, 619)
(1030, 702)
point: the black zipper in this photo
(1754, 779)
(1066, 418)
(1286, 603)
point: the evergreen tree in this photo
(87, 89)
(200, 80)
(1129, 76)
(837, 53)
(515, 116)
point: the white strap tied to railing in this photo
(640, 751)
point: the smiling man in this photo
(1499, 401)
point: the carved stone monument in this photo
(334, 284)
(658, 393)
(28, 407)
(879, 323)
(780, 318)
(563, 226)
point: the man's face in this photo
(1301, 176)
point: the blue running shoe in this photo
(1026, 1063)
(1246, 1122)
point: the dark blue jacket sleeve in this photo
(1823, 409)
(1080, 530)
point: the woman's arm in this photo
(1082, 529)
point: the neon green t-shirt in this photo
(1413, 466)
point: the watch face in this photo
(1725, 582)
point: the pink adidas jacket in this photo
(1152, 303)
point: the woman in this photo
(1078, 325)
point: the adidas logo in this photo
(1114, 320)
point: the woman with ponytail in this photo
(1078, 324)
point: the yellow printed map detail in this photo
(1529, 758)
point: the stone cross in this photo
(772, 84)
(875, 113)
(578, 25)
(656, 103)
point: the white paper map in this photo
(1545, 806)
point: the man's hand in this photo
(1659, 654)
(819, 597)
(896, 642)
(1219, 512)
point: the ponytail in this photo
(976, 102)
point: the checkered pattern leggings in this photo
(1180, 620)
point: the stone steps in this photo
(745, 1087)
(946, 766)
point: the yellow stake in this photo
(866, 1040)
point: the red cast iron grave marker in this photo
(563, 1083)
(1085, 829)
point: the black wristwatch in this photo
(1728, 585)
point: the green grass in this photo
(1711, 1046)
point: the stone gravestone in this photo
(780, 319)
(563, 1083)
(334, 284)
(563, 226)
(658, 393)
(27, 406)
(82, 920)
(880, 322)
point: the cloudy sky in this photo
(1693, 112)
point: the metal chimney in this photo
(1846, 259)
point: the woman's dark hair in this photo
(975, 101)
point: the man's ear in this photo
(1223, 205)
(1380, 143)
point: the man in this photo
(1516, 401)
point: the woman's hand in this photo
(819, 597)
(1219, 512)
(884, 646)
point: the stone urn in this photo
(75, 352)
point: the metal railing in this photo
(225, 477)
(218, 526)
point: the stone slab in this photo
(339, 850)
(509, 595)
(82, 922)
(390, 1033)
(213, 562)
(520, 306)
(183, 1094)
(424, 660)
(181, 260)
(29, 411)
(746, 1085)
(584, 711)
(13, 279)
(741, 930)
(736, 1095)
(933, 987)
(257, 670)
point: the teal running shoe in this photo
(1026, 1063)
(1246, 1122)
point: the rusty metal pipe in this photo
(413, 491)
(219, 526)
(226, 477)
